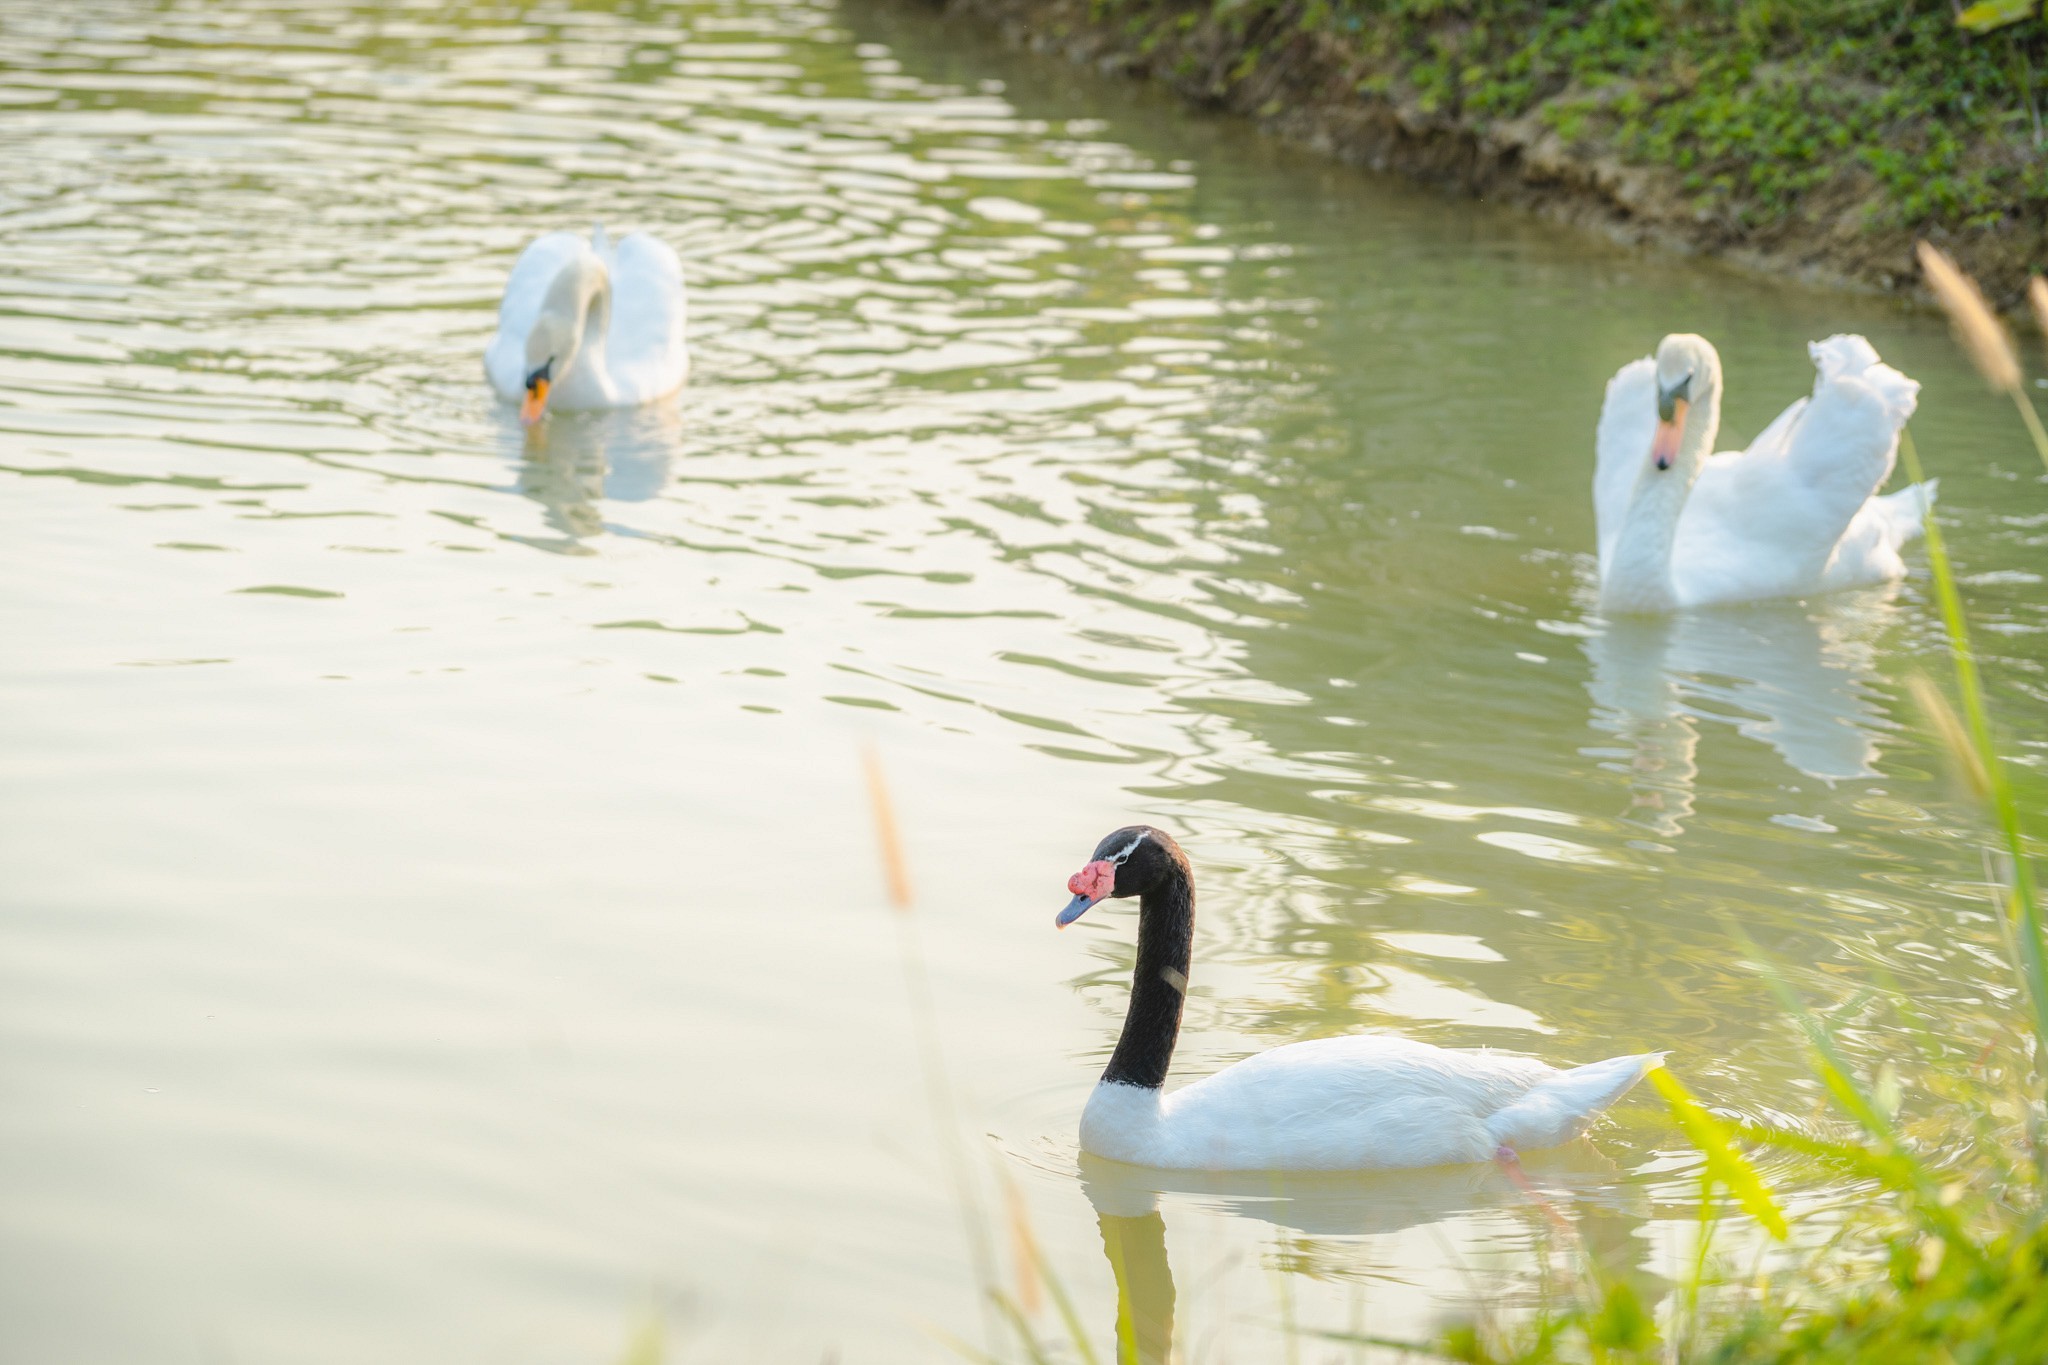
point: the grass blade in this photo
(1028, 1242)
(1894, 1163)
(2023, 907)
(1726, 1163)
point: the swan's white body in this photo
(1793, 515)
(1358, 1103)
(1363, 1102)
(622, 304)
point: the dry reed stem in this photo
(2037, 299)
(1948, 726)
(1976, 327)
(1023, 1251)
(895, 867)
(924, 1020)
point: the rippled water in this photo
(441, 920)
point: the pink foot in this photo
(1512, 1165)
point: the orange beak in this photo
(536, 399)
(1664, 447)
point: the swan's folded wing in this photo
(645, 346)
(1628, 422)
(1353, 1102)
(1869, 549)
(1765, 523)
(532, 273)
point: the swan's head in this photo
(1129, 862)
(550, 347)
(1688, 372)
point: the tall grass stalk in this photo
(1034, 1271)
(2037, 299)
(1981, 335)
(924, 1022)
(1041, 1272)
(2022, 903)
(1725, 1163)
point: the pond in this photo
(442, 914)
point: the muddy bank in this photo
(1765, 148)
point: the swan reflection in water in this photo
(573, 461)
(1799, 676)
(1323, 1207)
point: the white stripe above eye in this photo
(1126, 851)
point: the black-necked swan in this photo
(587, 324)
(1793, 515)
(1360, 1102)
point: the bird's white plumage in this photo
(1628, 419)
(1795, 513)
(1361, 1102)
(639, 356)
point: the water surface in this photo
(440, 915)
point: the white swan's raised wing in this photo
(645, 344)
(1766, 522)
(1628, 421)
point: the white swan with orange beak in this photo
(1795, 514)
(586, 324)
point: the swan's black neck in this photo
(1166, 940)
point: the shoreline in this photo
(1362, 98)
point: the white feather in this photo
(1628, 418)
(1361, 1102)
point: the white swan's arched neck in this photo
(574, 319)
(597, 313)
(1166, 941)
(1638, 573)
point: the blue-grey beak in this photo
(1076, 908)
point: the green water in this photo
(439, 914)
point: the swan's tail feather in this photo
(1564, 1106)
(1907, 510)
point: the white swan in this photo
(1362, 1102)
(1792, 515)
(590, 325)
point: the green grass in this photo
(1765, 109)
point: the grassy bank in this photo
(1820, 136)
